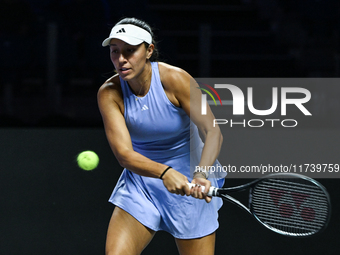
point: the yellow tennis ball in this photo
(88, 160)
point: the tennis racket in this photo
(288, 204)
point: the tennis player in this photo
(151, 115)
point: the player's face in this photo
(129, 60)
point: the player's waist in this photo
(163, 151)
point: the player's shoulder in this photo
(110, 85)
(110, 88)
(172, 75)
(170, 70)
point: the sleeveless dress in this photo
(164, 133)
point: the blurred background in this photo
(52, 64)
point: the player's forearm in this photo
(140, 164)
(211, 149)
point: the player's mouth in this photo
(124, 70)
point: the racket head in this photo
(290, 204)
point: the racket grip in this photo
(212, 190)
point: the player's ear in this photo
(149, 51)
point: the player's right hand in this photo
(176, 183)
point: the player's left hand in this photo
(196, 191)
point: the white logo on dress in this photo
(145, 108)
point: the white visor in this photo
(130, 34)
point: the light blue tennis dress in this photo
(164, 133)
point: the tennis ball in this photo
(87, 160)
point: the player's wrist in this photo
(164, 172)
(201, 172)
(199, 175)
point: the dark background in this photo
(52, 65)
(50, 206)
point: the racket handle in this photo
(212, 190)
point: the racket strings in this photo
(277, 192)
(287, 212)
(286, 208)
(275, 220)
(294, 206)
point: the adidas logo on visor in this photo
(130, 34)
(121, 31)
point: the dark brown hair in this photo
(142, 24)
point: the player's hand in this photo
(196, 191)
(176, 183)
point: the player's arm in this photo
(184, 92)
(109, 99)
(111, 107)
(187, 95)
(211, 134)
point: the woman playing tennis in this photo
(151, 114)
